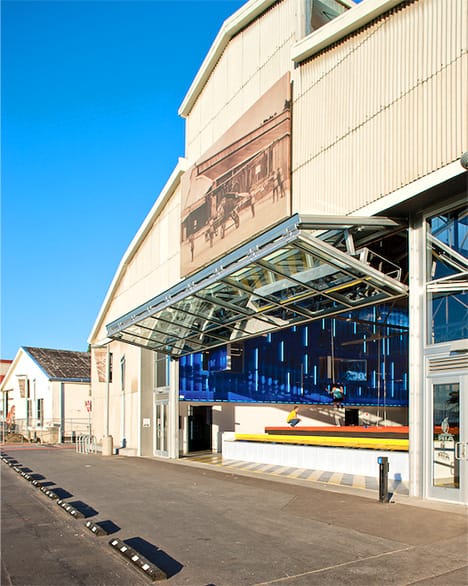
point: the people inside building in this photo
(337, 393)
(292, 418)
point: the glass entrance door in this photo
(160, 427)
(449, 439)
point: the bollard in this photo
(383, 479)
(107, 445)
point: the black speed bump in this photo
(96, 528)
(74, 512)
(140, 562)
(50, 493)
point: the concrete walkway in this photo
(316, 478)
(204, 524)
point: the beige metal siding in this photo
(381, 109)
(155, 265)
(251, 63)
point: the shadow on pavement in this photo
(156, 556)
(83, 508)
(61, 492)
(108, 527)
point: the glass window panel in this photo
(254, 326)
(281, 290)
(139, 330)
(152, 335)
(222, 312)
(289, 260)
(449, 317)
(324, 276)
(447, 256)
(284, 315)
(215, 335)
(451, 230)
(161, 370)
(131, 339)
(320, 304)
(320, 274)
(358, 292)
(321, 12)
(224, 292)
(446, 425)
(253, 277)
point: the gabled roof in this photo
(66, 365)
(360, 15)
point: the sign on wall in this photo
(100, 357)
(241, 186)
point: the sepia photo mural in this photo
(241, 186)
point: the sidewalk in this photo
(315, 478)
(207, 524)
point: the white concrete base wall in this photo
(350, 461)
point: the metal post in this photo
(383, 479)
(106, 424)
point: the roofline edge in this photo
(161, 200)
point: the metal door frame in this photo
(161, 422)
(460, 448)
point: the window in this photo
(40, 412)
(109, 368)
(122, 373)
(28, 412)
(161, 370)
(320, 12)
(447, 275)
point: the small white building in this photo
(4, 366)
(46, 394)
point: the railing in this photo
(86, 444)
(51, 431)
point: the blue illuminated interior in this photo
(367, 352)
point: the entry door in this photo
(199, 429)
(448, 452)
(160, 428)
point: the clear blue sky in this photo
(90, 134)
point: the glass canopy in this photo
(303, 269)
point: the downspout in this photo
(173, 439)
(107, 441)
(62, 413)
(107, 392)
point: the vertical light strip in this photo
(392, 371)
(256, 368)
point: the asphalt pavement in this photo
(203, 526)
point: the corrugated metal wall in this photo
(155, 265)
(382, 108)
(251, 63)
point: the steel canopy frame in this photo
(305, 268)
